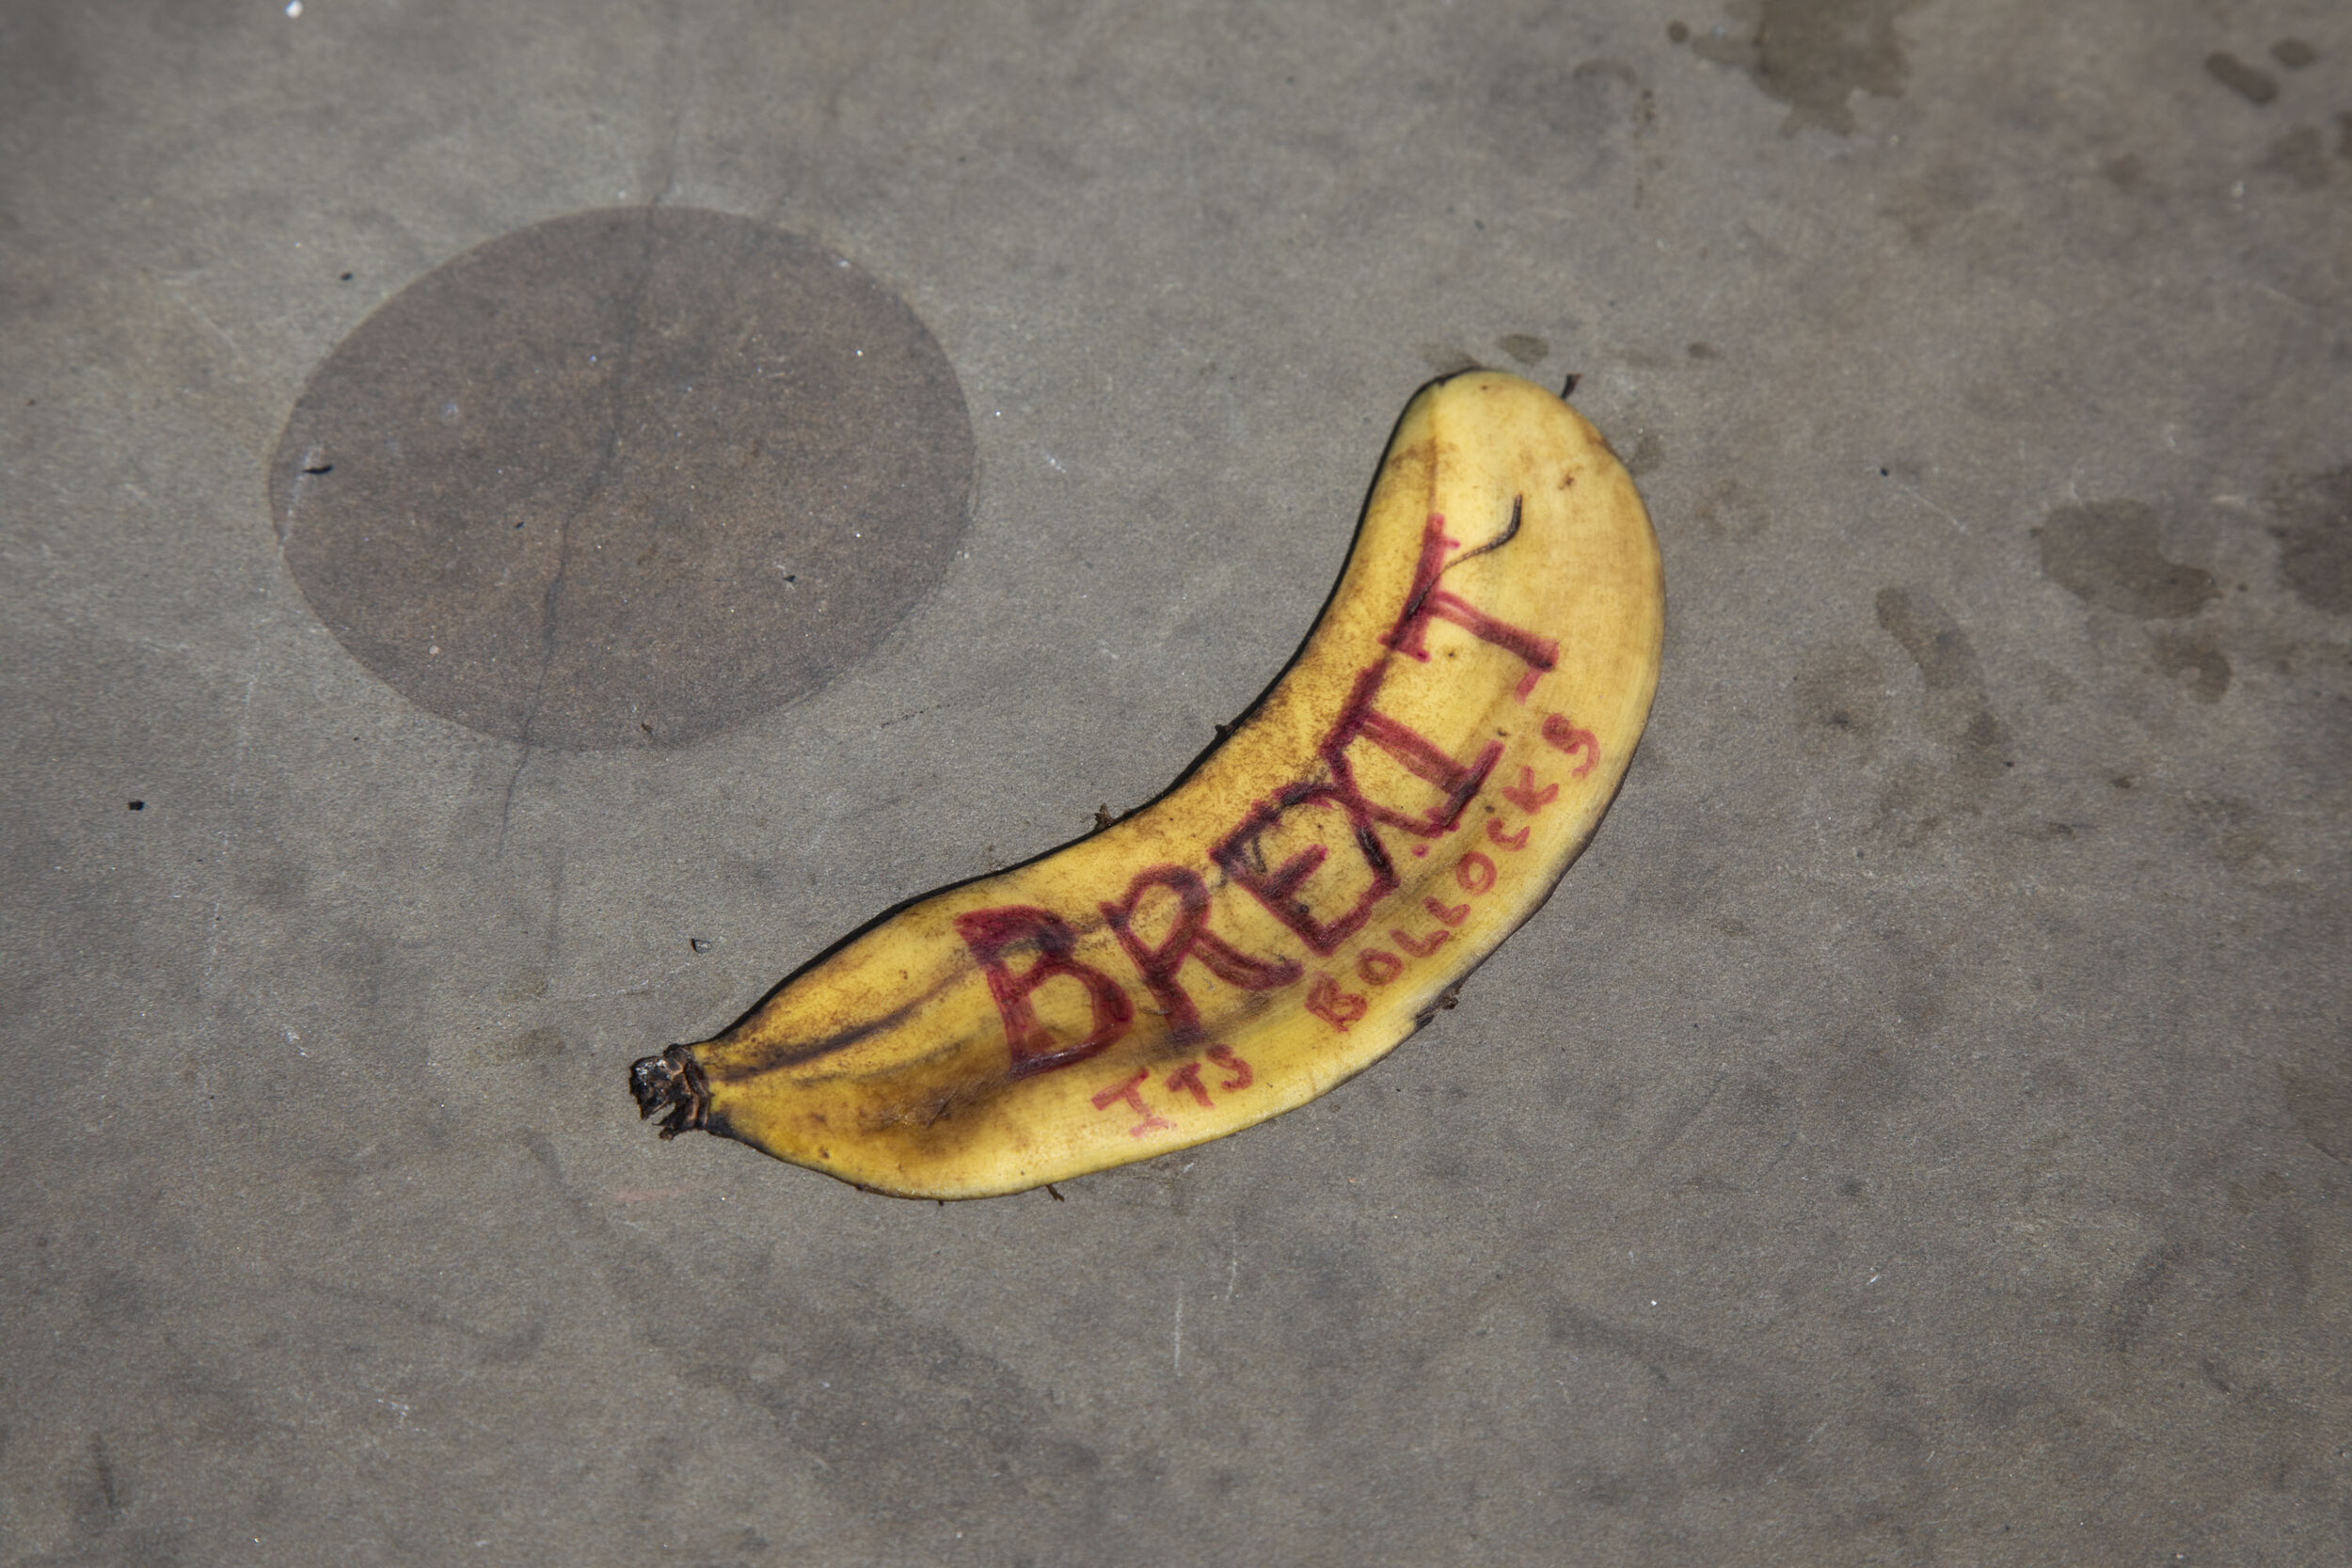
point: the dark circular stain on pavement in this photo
(625, 478)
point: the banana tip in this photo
(670, 1085)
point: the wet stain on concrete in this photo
(1954, 712)
(2128, 1310)
(1602, 95)
(1841, 697)
(2299, 158)
(1937, 644)
(2105, 553)
(1525, 347)
(534, 1045)
(1950, 190)
(625, 478)
(1732, 511)
(2251, 83)
(1647, 456)
(1544, 110)
(2232, 830)
(2294, 54)
(2194, 657)
(1814, 55)
(2315, 535)
(274, 884)
(99, 1498)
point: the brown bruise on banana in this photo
(1045, 1036)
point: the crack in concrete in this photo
(550, 610)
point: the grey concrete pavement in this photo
(1917, 1131)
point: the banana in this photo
(1310, 894)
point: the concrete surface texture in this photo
(1917, 1131)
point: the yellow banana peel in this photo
(1401, 800)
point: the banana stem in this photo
(673, 1084)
